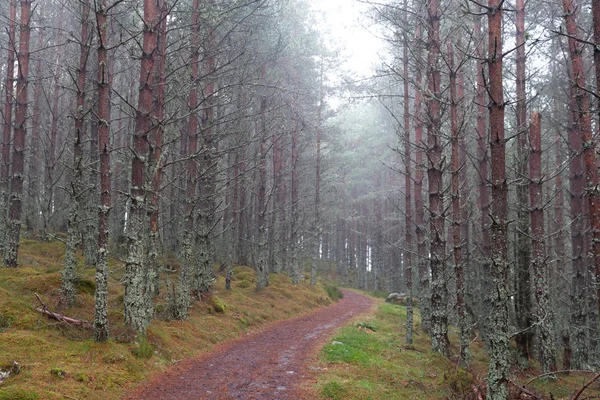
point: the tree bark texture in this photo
(103, 87)
(7, 126)
(20, 130)
(137, 300)
(580, 130)
(543, 313)
(435, 167)
(499, 366)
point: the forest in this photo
(164, 143)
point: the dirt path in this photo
(266, 365)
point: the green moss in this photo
(219, 305)
(243, 284)
(18, 394)
(87, 286)
(58, 372)
(334, 292)
(333, 390)
(144, 349)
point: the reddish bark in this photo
(498, 372)
(419, 204)
(20, 130)
(439, 316)
(590, 160)
(580, 122)
(407, 259)
(8, 106)
(524, 340)
(137, 298)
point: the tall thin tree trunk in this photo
(483, 200)
(424, 273)
(457, 213)
(499, 366)
(18, 156)
(49, 178)
(137, 300)
(155, 162)
(101, 294)
(76, 188)
(523, 306)
(7, 127)
(543, 312)
(439, 291)
(262, 276)
(294, 225)
(185, 272)
(580, 138)
(408, 270)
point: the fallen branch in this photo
(564, 371)
(576, 396)
(62, 318)
(527, 392)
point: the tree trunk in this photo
(101, 294)
(262, 271)
(408, 271)
(484, 239)
(137, 300)
(457, 213)
(544, 318)
(18, 156)
(499, 366)
(435, 165)
(424, 301)
(523, 311)
(7, 127)
(579, 134)
(76, 189)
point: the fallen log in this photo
(62, 318)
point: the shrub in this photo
(219, 305)
(334, 292)
(18, 394)
(144, 348)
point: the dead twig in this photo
(62, 318)
(587, 384)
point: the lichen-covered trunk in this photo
(317, 222)
(50, 159)
(591, 172)
(424, 300)
(294, 224)
(7, 126)
(33, 212)
(483, 199)
(523, 303)
(457, 213)
(435, 166)
(580, 132)
(76, 188)
(103, 88)
(137, 300)
(543, 313)
(409, 224)
(155, 162)
(204, 274)
(18, 155)
(182, 297)
(499, 366)
(262, 270)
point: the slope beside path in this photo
(270, 364)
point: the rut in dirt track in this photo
(266, 365)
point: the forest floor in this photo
(266, 365)
(370, 359)
(61, 361)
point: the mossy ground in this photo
(369, 359)
(60, 362)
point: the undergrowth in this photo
(369, 359)
(59, 361)
(334, 292)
